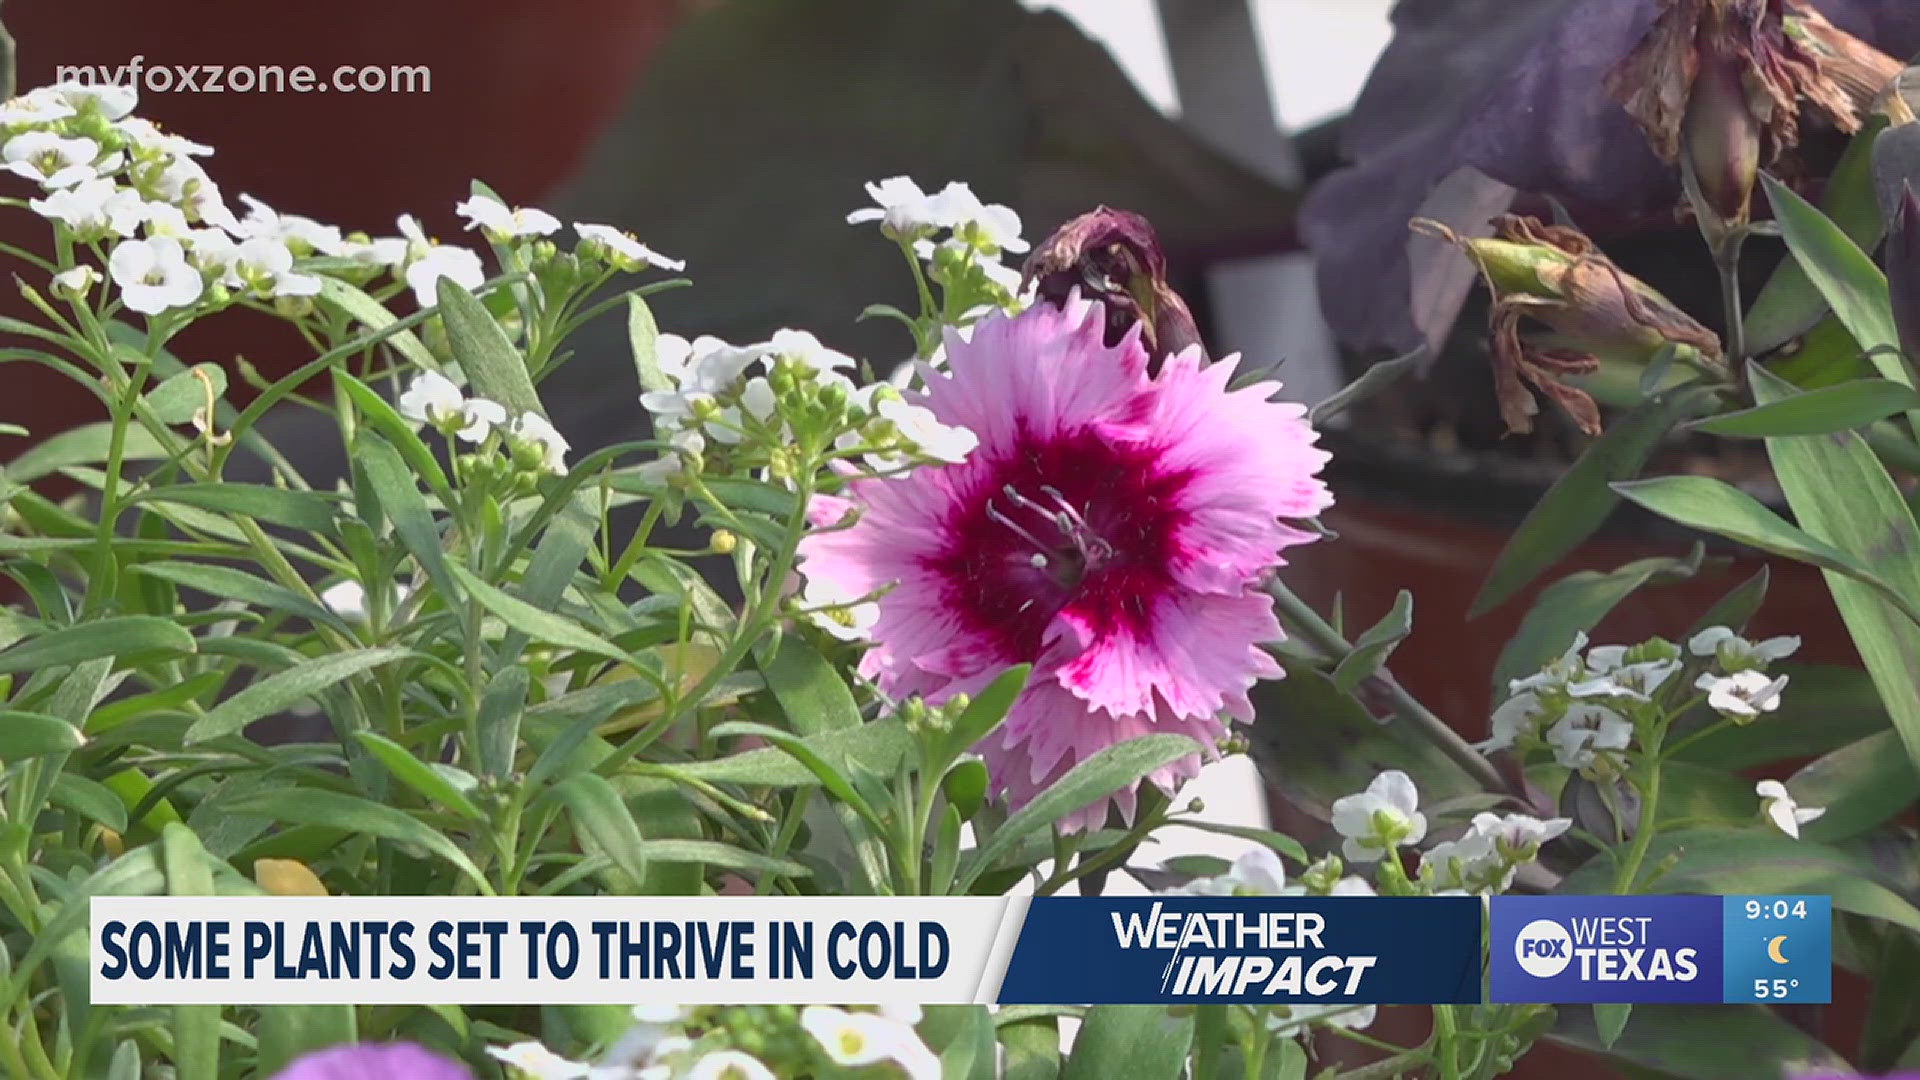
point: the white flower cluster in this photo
(1581, 706)
(1741, 690)
(977, 233)
(1485, 859)
(434, 400)
(717, 394)
(115, 180)
(658, 1049)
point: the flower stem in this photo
(1643, 833)
(1444, 1035)
(1726, 259)
(1296, 613)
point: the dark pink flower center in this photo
(1069, 522)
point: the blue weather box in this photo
(1778, 949)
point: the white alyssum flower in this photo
(803, 349)
(1776, 802)
(532, 433)
(900, 207)
(84, 207)
(1742, 695)
(44, 105)
(482, 212)
(1557, 674)
(55, 161)
(264, 221)
(659, 1014)
(851, 1039)
(114, 100)
(433, 399)
(1587, 731)
(686, 445)
(265, 265)
(842, 615)
(384, 252)
(76, 282)
(730, 1065)
(1381, 818)
(538, 1062)
(918, 425)
(989, 225)
(623, 250)
(154, 275)
(456, 264)
(1517, 837)
(1469, 859)
(1519, 714)
(212, 250)
(699, 370)
(348, 598)
(1734, 653)
(185, 184)
(145, 135)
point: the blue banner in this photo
(1674, 949)
(1272, 950)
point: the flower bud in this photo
(1556, 276)
(722, 542)
(1114, 257)
(1720, 156)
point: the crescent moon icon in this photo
(1773, 950)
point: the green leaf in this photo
(1703, 1042)
(1130, 1042)
(1789, 305)
(540, 625)
(353, 814)
(604, 821)
(371, 314)
(810, 690)
(569, 534)
(84, 445)
(1032, 1048)
(392, 483)
(1701, 502)
(284, 689)
(715, 853)
(288, 1031)
(26, 734)
(1609, 1021)
(1572, 605)
(1370, 382)
(1722, 861)
(963, 1037)
(196, 1028)
(303, 510)
(1580, 501)
(1841, 493)
(229, 583)
(643, 337)
(498, 724)
(831, 775)
(1107, 771)
(984, 714)
(129, 639)
(179, 397)
(879, 747)
(1823, 709)
(89, 798)
(1816, 412)
(1374, 646)
(418, 775)
(1860, 785)
(1846, 276)
(494, 367)
(1738, 607)
(396, 429)
(965, 786)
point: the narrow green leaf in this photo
(177, 398)
(1738, 607)
(833, 776)
(1580, 501)
(304, 510)
(196, 1028)
(1817, 412)
(1130, 1042)
(963, 1037)
(89, 798)
(393, 485)
(353, 814)
(375, 317)
(1609, 1021)
(84, 445)
(288, 1031)
(130, 639)
(1701, 1042)
(1280, 843)
(540, 625)
(396, 429)
(604, 821)
(643, 337)
(501, 707)
(229, 583)
(495, 368)
(985, 713)
(28, 734)
(418, 775)
(1859, 786)
(1574, 604)
(1789, 305)
(878, 746)
(1701, 502)
(715, 853)
(809, 689)
(569, 535)
(1846, 276)
(284, 689)
(1105, 772)
(1370, 382)
(1374, 646)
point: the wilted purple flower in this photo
(374, 1061)
(1114, 257)
(1476, 100)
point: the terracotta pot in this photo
(517, 92)
(1438, 535)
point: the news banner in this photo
(1002, 950)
